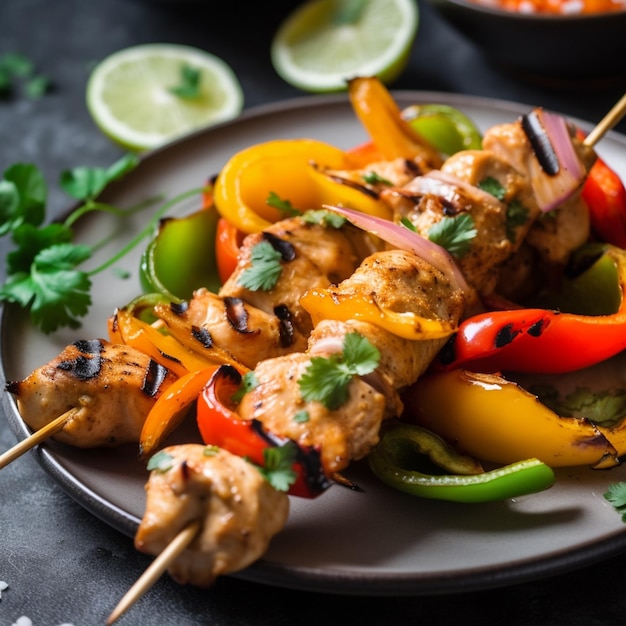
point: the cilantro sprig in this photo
(264, 270)
(516, 213)
(277, 466)
(616, 495)
(455, 234)
(189, 87)
(17, 69)
(326, 379)
(43, 274)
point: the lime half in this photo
(324, 43)
(147, 95)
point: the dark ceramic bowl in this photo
(563, 48)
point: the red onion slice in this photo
(561, 171)
(404, 239)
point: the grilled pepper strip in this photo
(541, 340)
(392, 135)
(328, 304)
(125, 328)
(280, 167)
(496, 420)
(393, 461)
(220, 425)
(171, 407)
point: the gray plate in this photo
(378, 542)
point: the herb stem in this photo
(149, 228)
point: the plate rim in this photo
(313, 578)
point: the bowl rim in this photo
(475, 5)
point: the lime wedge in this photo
(147, 95)
(324, 43)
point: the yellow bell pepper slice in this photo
(245, 183)
(126, 329)
(496, 420)
(392, 135)
(329, 304)
(192, 340)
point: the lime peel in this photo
(313, 52)
(129, 94)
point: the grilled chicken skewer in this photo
(398, 281)
(261, 325)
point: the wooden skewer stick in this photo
(607, 122)
(37, 437)
(156, 569)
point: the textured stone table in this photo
(62, 564)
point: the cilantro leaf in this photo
(14, 68)
(361, 357)
(189, 86)
(85, 183)
(278, 465)
(264, 270)
(56, 294)
(325, 218)
(616, 495)
(516, 215)
(31, 240)
(493, 186)
(326, 379)
(23, 193)
(248, 382)
(284, 206)
(373, 178)
(455, 234)
(161, 462)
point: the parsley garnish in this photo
(455, 234)
(616, 495)
(278, 465)
(189, 86)
(264, 270)
(284, 206)
(42, 271)
(326, 379)
(325, 218)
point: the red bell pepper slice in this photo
(538, 340)
(220, 425)
(605, 195)
(228, 240)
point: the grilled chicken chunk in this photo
(394, 280)
(112, 386)
(239, 511)
(313, 255)
(427, 200)
(256, 324)
(342, 435)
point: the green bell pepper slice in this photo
(403, 448)
(444, 126)
(181, 257)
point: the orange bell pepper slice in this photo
(170, 409)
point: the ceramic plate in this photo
(375, 542)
